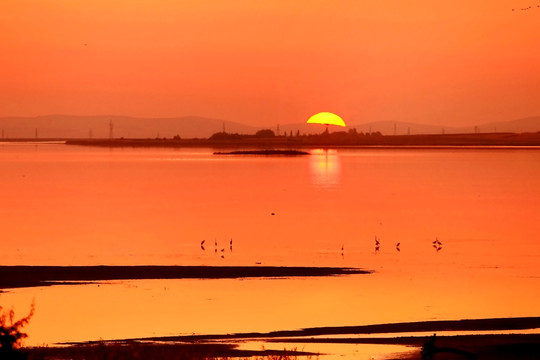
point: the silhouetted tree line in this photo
(351, 134)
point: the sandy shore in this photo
(499, 324)
(150, 351)
(28, 276)
(510, 345)
(497, 346)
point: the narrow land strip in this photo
(494, 347)
(29, 276)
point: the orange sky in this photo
(266, 62)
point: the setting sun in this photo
(230, 179)
(326, 118)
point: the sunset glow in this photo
(455, 63)
(346, 178)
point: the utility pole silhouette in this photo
(111, 128)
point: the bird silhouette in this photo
(202, 244)
(437, 244)
(397, 246)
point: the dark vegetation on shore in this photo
(28, 276)
(11, 334)
(349, 138)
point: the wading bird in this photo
(437, 244)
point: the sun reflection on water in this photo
(325, 167)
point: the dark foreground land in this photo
(507, 346)
(512, 344)
(28, 276)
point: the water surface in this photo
(68, 205)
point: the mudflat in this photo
(29, 276)
(478, 346)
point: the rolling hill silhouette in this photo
(83, 127)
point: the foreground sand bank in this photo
(498, 346)
(28, 276)
(493, 324)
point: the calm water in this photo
(64, 205)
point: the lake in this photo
(70, 205)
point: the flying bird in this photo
(202, 244)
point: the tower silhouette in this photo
(111, 128)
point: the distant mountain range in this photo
(77, 127)
(74, 127)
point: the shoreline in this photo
(20, 276)
(332, 139)
(339, 139)
(478, 346)
(489, 324)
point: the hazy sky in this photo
(276, 61)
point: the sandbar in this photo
(29, 276)
(479, 346)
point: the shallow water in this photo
(66, 205)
